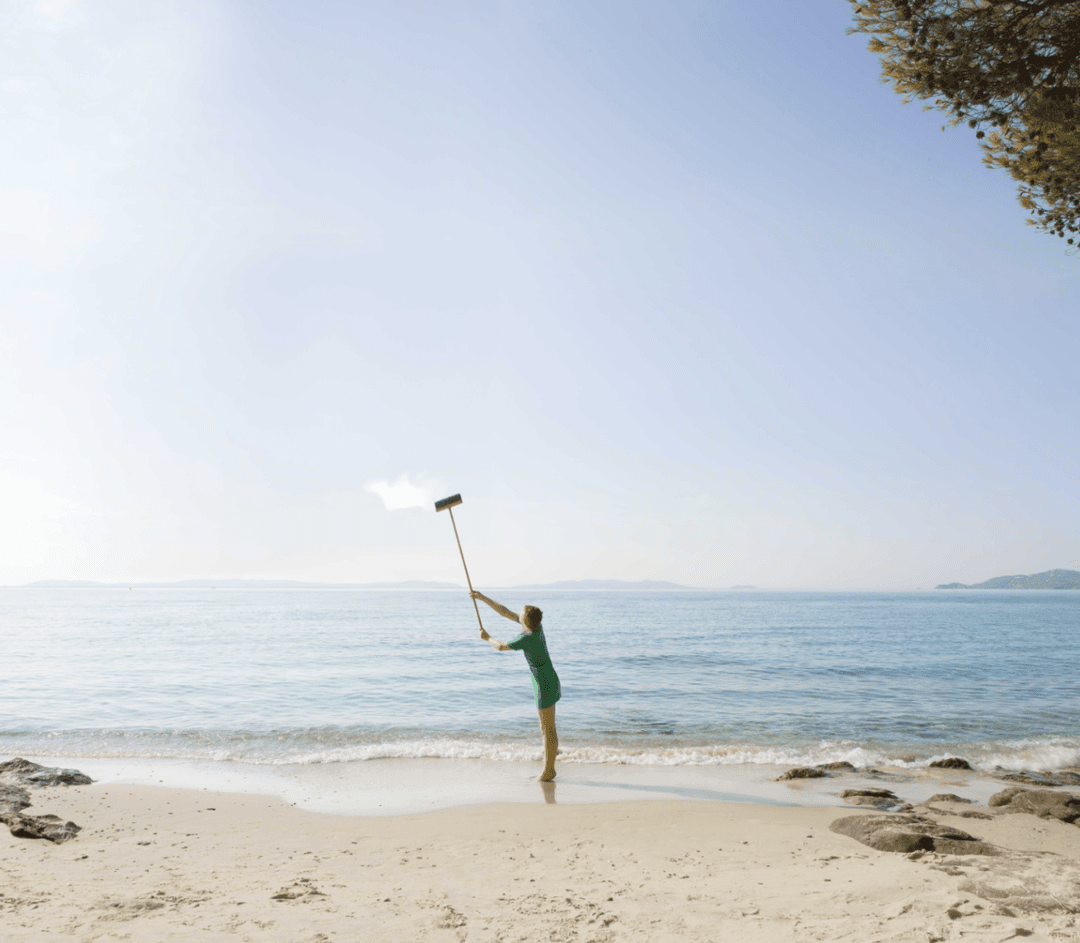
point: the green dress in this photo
(545, 681)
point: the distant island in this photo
(1051, 579)
(604, 584)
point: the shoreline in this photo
(162, 863)
(402, 786)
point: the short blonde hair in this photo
(530, 618)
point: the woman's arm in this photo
(498, 607)
(494, 642)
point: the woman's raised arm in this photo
(498, 607)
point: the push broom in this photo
(448, 504)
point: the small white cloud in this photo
(403, 493)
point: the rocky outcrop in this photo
(50, 827)
(18, 773)
(962, 815)
(1061, 777)
(949, 797)
(1045, 804)
(950, 762)
(877, 798)
(13, 798)
(816, 772)
(1010, 881)
(26, 773)
(802, 772)
(908, 833)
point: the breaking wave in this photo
(343, 746)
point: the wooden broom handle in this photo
(464, 564)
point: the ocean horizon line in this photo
(232, 583)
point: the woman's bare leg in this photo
(551, 742)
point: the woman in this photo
(545, 682)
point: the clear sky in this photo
(665, 290)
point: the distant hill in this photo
(604, 584)
(241, 584)
(1051, 579)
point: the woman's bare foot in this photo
(546, 776)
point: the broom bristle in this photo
(452, 501)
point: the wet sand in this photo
(402, 786)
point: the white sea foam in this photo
(271, 750)
(1034, 755)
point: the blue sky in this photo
(667, 291)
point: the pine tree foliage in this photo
(1011, 67)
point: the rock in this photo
(17, 773)
(23, 771)
(963, 815)
(802, 772)
(13, 798)
(950, 762)
(50, 827)
(1063, 806)
(907, 833)
(816, 772)
(1046, 780)
(873, 802)
(948, 797)
(877, 798)
(869, 791)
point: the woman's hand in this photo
(476, 594)
(484, 635)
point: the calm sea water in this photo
(285, 676)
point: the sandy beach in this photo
(158, 863)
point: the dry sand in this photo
(154, 863)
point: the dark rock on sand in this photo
(1046, 780)
(13, 798)
(950, 762)
(871, 791)
(1045, 804)
(50, 827)
(876, 798)
(907, 833)
(817, 772)
(802, 772)
(26, 773)
(948, 797)
(963, 815)
(18, 773)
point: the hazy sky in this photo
(665, 290)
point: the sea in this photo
(270, 677)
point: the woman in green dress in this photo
(531, 641)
